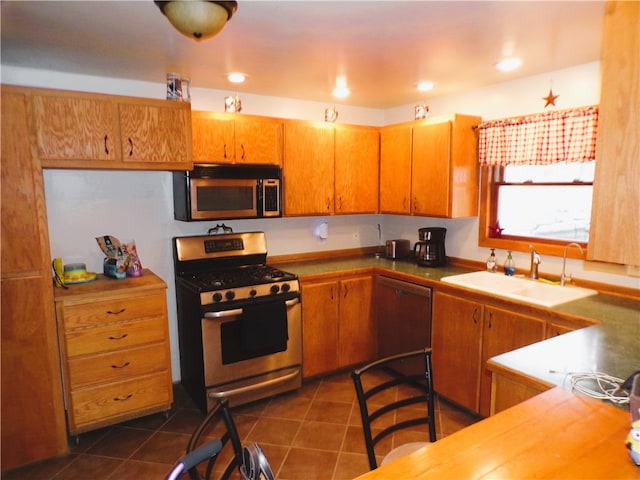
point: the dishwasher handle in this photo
(403, 288)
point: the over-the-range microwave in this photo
(222, 191)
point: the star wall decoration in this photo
(550, 99)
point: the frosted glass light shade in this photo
(198, 19)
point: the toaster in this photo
(396, 249)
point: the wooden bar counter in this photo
(556, 434)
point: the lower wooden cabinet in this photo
(115, 350)
(466, 333)
(338, 323)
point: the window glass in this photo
(549, 202)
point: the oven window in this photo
(227, 198)
(234, 347)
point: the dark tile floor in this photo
(314, 433)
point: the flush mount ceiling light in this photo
(198, 19)
(508, 64)
(236, 77)
(425, 86)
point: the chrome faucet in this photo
(563, 276)
(535, 261)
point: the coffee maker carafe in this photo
(430, 251)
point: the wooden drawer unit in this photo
(114, 344)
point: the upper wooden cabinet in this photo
(330, 169)
(395, 169)
(356, 169)
(429, 167)
(156, 135)
(69, 128)
(234, 138)
(86, 130)
(614, 235)
(308, 168)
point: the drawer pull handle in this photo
(126, 364)
(123, 399)
(109, 312)
(124, 335)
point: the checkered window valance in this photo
(551, 137)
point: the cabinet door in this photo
(357, 328)
(356, 169)
(212, 137)
(258, 140)
(504, 331)
(308, 169)
(33, 422)
(395, 169)
(320, 318)
(430, 171)
(456, 339)
(69, 128)
(156, 134)
(614, 235)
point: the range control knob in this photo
(275, 288)
(217, 297)
(230, 295)
(286, 287)
(252, 293)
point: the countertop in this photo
(611, 345)
(553, 435)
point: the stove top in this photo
(229, 267)
(238, 277)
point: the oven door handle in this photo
(217, 394)
(238, 311)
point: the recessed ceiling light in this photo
(237, 77)
(425, 86)
(508, 64)
(341, 92)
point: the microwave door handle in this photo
(238, 311)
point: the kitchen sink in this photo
(519, 288)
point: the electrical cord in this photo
(600, 386)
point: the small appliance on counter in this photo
(397, 249)
(430, 250)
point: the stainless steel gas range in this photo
(239, 319)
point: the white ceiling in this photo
(296, 49)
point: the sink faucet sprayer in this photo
(564, 260)
(535, 261)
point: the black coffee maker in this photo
(430, 251)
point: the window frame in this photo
(488, 207)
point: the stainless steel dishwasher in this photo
(403, 314)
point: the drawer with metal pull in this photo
(119, 365)
(84, 315)
(114, 337)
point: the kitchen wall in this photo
(138, 205)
